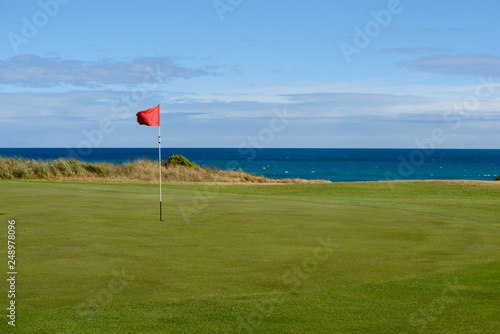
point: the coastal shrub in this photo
(5, 170)
(53, 171)
(75, 167)
(63, 167)
(99, 169)
(39, 169)
(177, 169)
(140, 169)
(20, 172)
(180, 160)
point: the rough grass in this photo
(139, 170)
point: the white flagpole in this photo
(159, 164)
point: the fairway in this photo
(398, 257)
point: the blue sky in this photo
(236, 73)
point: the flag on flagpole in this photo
(149, 117)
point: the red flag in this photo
(149, 117)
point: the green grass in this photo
(409, 257)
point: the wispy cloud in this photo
(35, 71)
(322, 102)
(418, 50)
(337, 117)
(315, 106)
(80, 106)
(474, 65)
(419, 30)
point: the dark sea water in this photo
(328, 164)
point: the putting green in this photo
(412, 257)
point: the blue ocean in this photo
(328, 164)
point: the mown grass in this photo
(138, 170)
(405, 257)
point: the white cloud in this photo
(351, 114)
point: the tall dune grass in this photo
(138, 170)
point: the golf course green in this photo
(374, 257)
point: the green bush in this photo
(180, 160)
